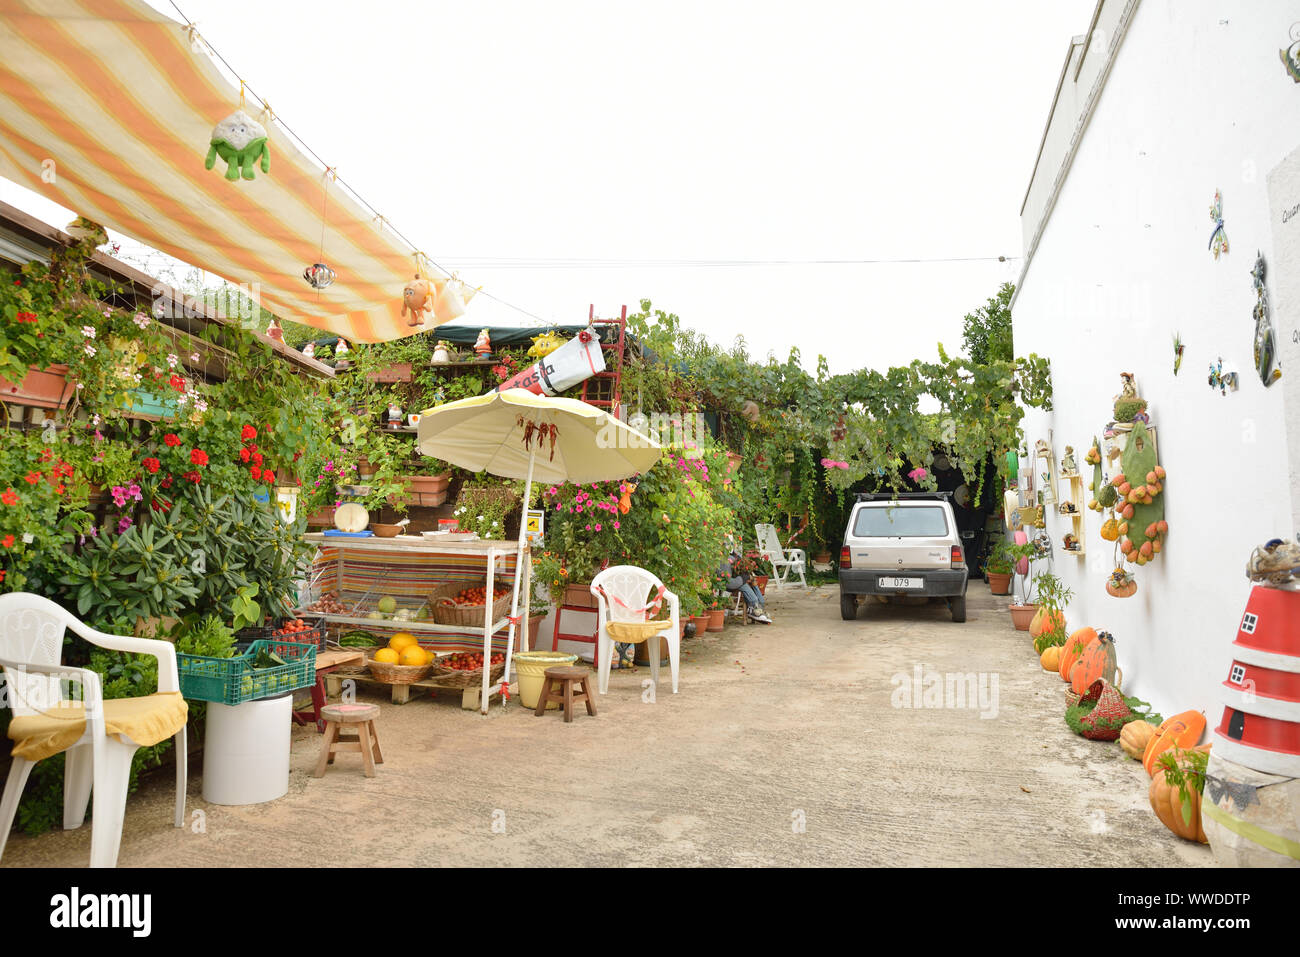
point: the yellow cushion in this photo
(635, 632)
(146, 721)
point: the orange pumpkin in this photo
(1181, 731)
(1073, 648)
(1168, 805)
(1044, 621)
(1097, 661)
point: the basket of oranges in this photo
(400, 662)
(461, 603)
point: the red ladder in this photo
(604, 389)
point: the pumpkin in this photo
(1180, 731)
(1074, 646)
(1045, 621)
(1127, 590)
(1168, 805)
(1133, 739)
(1097, 661)
(1110, 530)
(1051, 658)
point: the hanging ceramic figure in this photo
(241, 141)
(416, 300)
(1265, 345)
(1218, 238)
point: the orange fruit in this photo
(401, 640)
(387, 656)
(413, 655)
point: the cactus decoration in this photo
(1140, 504)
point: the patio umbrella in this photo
(517, 434)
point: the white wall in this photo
(1191, 105)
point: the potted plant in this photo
(1022, 612)
(485, 508)
(1048, 625)
(998, 569)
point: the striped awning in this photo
(107, 108)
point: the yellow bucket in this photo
(531, 667)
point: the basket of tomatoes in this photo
(464, 669)
(311, 631)
(462, 603)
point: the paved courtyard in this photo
(783, 747)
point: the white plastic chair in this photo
(31, 647)
(785, 562)
(621, 594)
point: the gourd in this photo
(1110, 530)
(1097, 661)
(1051, 658)
(1133, 739)
(1074, 646)
(1044, 620)
(1168, 805)
(1176, 732)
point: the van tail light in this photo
(958, 559)
(846, 557)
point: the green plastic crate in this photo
(234, 680)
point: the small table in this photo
(566, 677)
(326, 662)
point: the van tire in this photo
(848, 607)
(958, 606)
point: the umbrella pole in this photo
(519, 569)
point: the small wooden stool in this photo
(566, 677)
(366, 740)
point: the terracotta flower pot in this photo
(534, 628)
(701, 623)
(578, 595)
(760, 582)
(1022, 615)
(999, 584)
(717, 619)
(45, 389)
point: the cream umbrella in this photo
(517, 434)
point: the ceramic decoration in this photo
(1218, 238)
(1290, 56)
(440, 354)
(318, 275)
(1265, 347)
(417, 299)
(483, 345)
(241, 141)
(274, 331)
(413, 419)
(309, 350)
(394, 414)
(1225, 380)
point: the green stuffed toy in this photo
(241, 141)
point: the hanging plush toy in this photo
(545, 344)
(417, 299)
(241, 141)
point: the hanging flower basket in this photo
(44, 389)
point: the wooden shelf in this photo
(431, 627)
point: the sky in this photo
(568, 154)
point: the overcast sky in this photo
(704, 131)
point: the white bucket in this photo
(246, 751)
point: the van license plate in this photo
(901, 583)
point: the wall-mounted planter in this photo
(42, 388)
(143, 403)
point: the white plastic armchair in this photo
(626, 593)
(785, 562)
(31, 648)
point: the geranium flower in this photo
(176, 382)
(167, 482)
(124, 523)
(257, 458)
(198, 457)
(90, 350)
(141, 320)
(269, 476)
(172, 359)
(152, 465)
(256, 472)
(194, 357)
(88, 331)
(248, 432)
(25, 317)
(192, 476)
(32, 477)
(7, 541)
(172, 439)
(243, 457)
(917, 474)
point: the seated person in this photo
(749, 593)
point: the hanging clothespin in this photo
(197, 43)
(267, 114)
(379, 223)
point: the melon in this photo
(387, 604)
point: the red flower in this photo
(167, 482)
(269, 476)
(32, 477)
(152, 465)
(296, 456)
(2, 571)
(172, 439)
(257, 458)
(25, 317)
(198, 457)
(58, 489)
(243, 455)
(8, 541)
(192, 476)
(256, 472)
(47, 455)
(10, 497)
(177, 383)
(252, 448)
(248, 432)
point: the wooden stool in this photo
(567, 677)
(366, 740)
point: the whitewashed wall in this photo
(1191, 104)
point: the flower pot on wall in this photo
(146, 404)
(45, 389)
(999, 584)
(397, 372)
(1022, 616)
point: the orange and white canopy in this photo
(107, 108)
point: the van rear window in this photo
(903, 522)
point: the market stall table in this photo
(327, 662)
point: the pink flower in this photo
(598, 526)
(616, 526)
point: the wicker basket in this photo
(395, 674)
(453, 678)
(472, 616)
(1072, 699)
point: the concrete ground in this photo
(783, 747)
